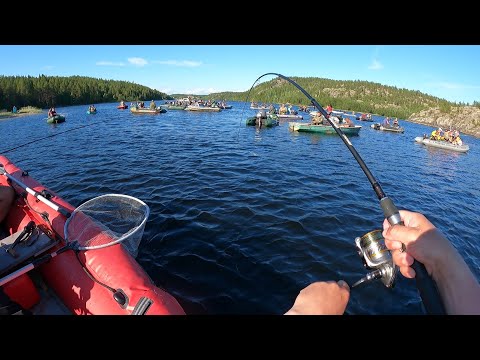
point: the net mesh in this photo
(107, 220)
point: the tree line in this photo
(356, 95)
(46, 91)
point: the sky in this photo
(451, 72)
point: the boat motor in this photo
(375, 255)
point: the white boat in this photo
(442, 144)
(202, 108)
(288, 116)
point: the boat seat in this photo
(36, 244)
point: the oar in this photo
(55, 207)
(425, 284)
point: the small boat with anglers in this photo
(122, 105)
(442, 144)
(262, 120)
(323, 129)
(201, 108)
(139, 110)
(390, 128)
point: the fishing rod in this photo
(370, 247)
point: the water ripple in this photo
(243, 218)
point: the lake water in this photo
(242, 219)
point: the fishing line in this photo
(46, 137)
(425, 284)
(245, 104)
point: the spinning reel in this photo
(375, 255)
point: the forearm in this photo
(458, 287)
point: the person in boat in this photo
(457, 285)
(436, 134)
(317, 119)
(347, 122)
(92, 108)
(52, 112)
(122, 103)
(282, 110)
(329, 109)
(153, 106)
(272, 109)
(457, 141)
(386, 122)
(261, 115)
(395, 123)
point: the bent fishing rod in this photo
(373, 252)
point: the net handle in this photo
(74, 245)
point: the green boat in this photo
(57, 119)
(323, 129)
(137, 110)
(269, 121)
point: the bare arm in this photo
(458, 287)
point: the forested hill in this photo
(360, 96)
(45, 91)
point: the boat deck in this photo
(49, 303)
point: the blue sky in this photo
(451, 72)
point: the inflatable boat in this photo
(102, 281)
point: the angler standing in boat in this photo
(458, 287)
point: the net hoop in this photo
(105, 231)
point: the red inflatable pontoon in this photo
(61, 285)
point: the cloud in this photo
(109, 63)
(137, 61)
(452, 86)
(200, 91)
(166, 90)
(181, 63)
(375, 65)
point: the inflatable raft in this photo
(57, 119)
(77, 282)
(442, 144)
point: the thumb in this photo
(344, 285)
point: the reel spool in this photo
(375, 255)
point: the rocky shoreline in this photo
(465, 119)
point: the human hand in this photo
(423, 241)
(322, 298)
